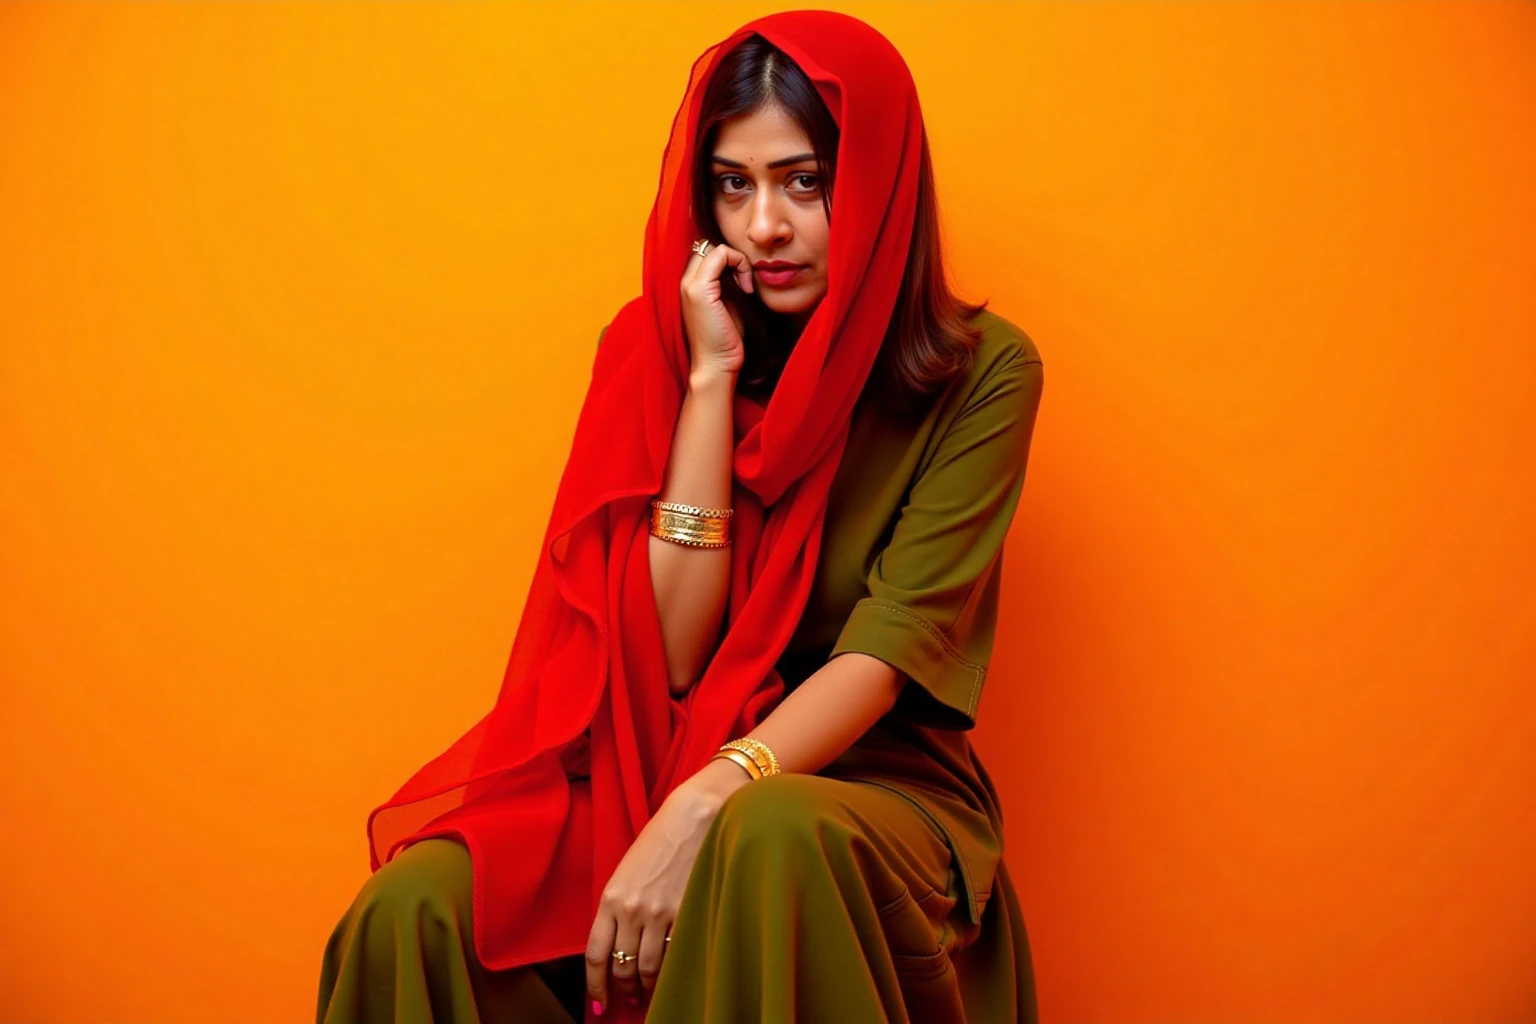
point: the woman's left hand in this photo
(642, 898)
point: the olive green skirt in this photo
(813, 899)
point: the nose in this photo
(768, 228)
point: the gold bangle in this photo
(692, 510)
(667, 528)
(692, 539)
(690, 525)
(758, 751)
(746, 762)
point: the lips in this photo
(778, 275)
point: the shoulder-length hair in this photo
(930, 340)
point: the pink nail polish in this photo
(597, 1007)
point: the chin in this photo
(790, 308)
(793, 305)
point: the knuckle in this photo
(630, 905)
(596, 959)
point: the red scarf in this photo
(586, 686)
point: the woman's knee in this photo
(426, 888)
(784, 813)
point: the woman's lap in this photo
(811, 876)
(816, 899)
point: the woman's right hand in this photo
(710, 317)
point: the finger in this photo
(695, 261)
(718, 260)
(599, 950)
(738, 263)
(625, 976)
(652, 949)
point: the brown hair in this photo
(929, 341)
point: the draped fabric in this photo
(585, 691)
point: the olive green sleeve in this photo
(933, 590)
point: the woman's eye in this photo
(724, 182)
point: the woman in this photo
(727, 777)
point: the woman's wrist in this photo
(706, 379)
(709, 787)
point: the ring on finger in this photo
(624, 958)
(701, 246)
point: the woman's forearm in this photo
(691, 584)
(828, 711)
(818, 721)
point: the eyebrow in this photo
(798, 158)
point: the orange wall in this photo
(297, 304)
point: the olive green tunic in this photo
(910, 572)
(892, 853)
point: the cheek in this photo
(727, 219)
(814, 235)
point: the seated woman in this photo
(727, 778)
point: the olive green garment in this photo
(404, 951)
(872, 891)
(910, 572)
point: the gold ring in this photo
(701, 246)
(623, 958)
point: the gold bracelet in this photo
(690, 536)
(692, 510)
(690, 525)
(758, 751)
(742, 759)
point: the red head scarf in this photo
(586, 681)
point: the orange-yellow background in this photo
(297, 306)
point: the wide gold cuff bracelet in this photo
(758, 751)
(691, 525)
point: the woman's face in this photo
(768, 203)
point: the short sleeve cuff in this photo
(948, 683)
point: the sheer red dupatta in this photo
(585, 687)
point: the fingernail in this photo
(597, 1007)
